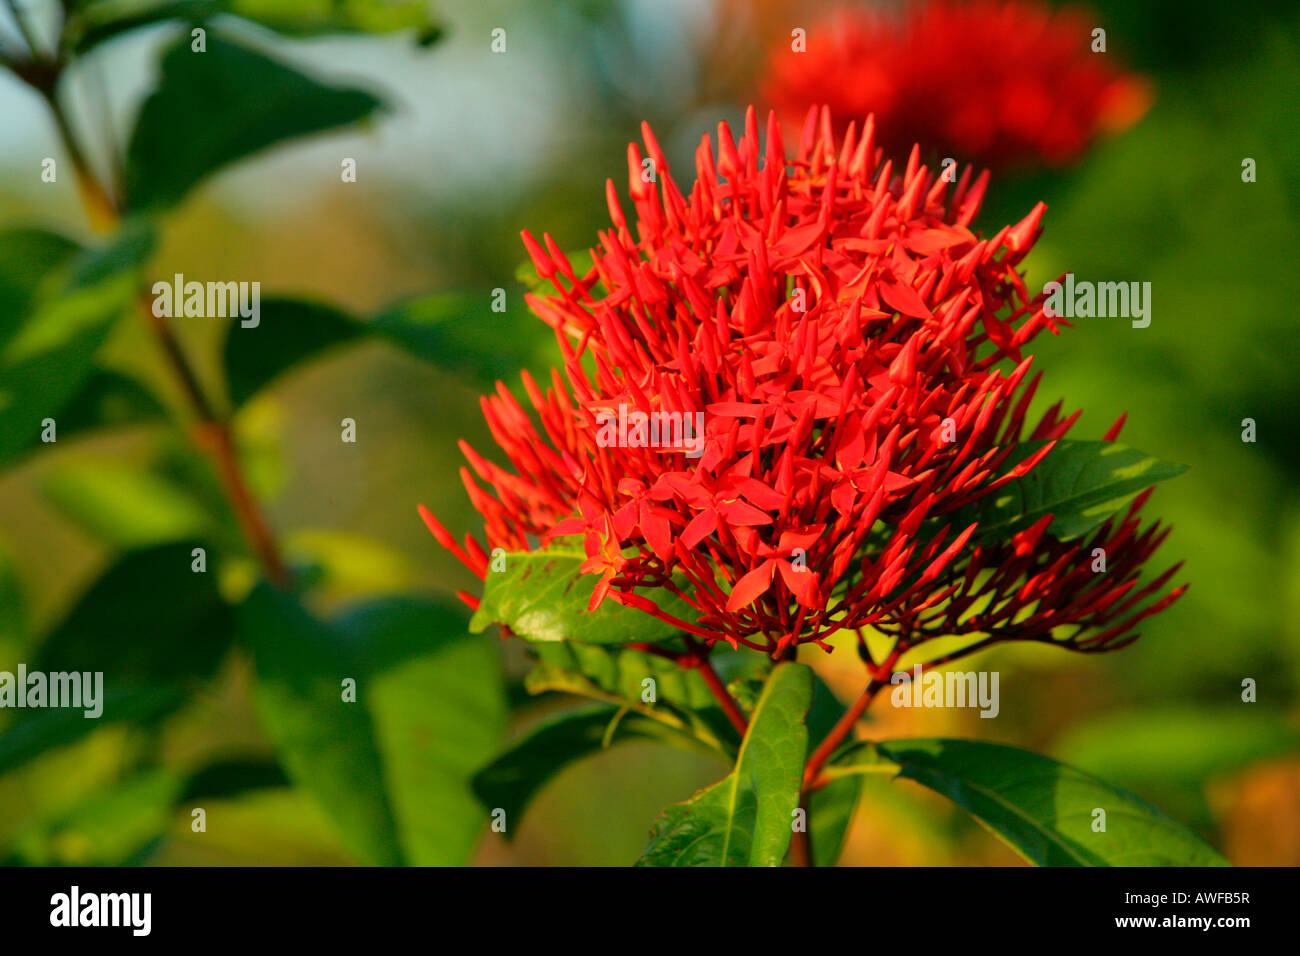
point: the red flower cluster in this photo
(856, 352)
(988, 81)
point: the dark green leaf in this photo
(327, 744)
(1080, 483)
(289, 332)
(746, 819)
(179, 627)
(460, 332)
(224, 779)
(542, 596)
(393, 767)
(512, 780)
(40, 731)
(29, 260)
(1042, 809)
(262, 101)
(830, 813)
(108, 399)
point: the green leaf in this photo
(40, 731)
(746, 819)
(830, 812)
(327, 745)
(57, 304)
(30, 259)
(262, 101)
(619, 675)
(125, 505)
(459, 331)
(178, 625)
(391, 768)
(436, 698)
(1080, 483)
(110, 828)
(316, 17)
(542, 596)
(49, 359)
(289, 332)
(98, 21)
(226, 779)
(512, 780)
(108, 399)
(1042, 809)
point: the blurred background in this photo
(470, 147)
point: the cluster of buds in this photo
(857, 351)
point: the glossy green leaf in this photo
(512, 780)
(746, 819)
(542, 596)
(1042, 809)
(1080, 483)
(289, 332)
(634, 680)
(263, 102)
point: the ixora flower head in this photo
(794, 403)
(998, 82)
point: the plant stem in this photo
(801, 840)
(213, 435)
(844, 726)
(698, 657)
